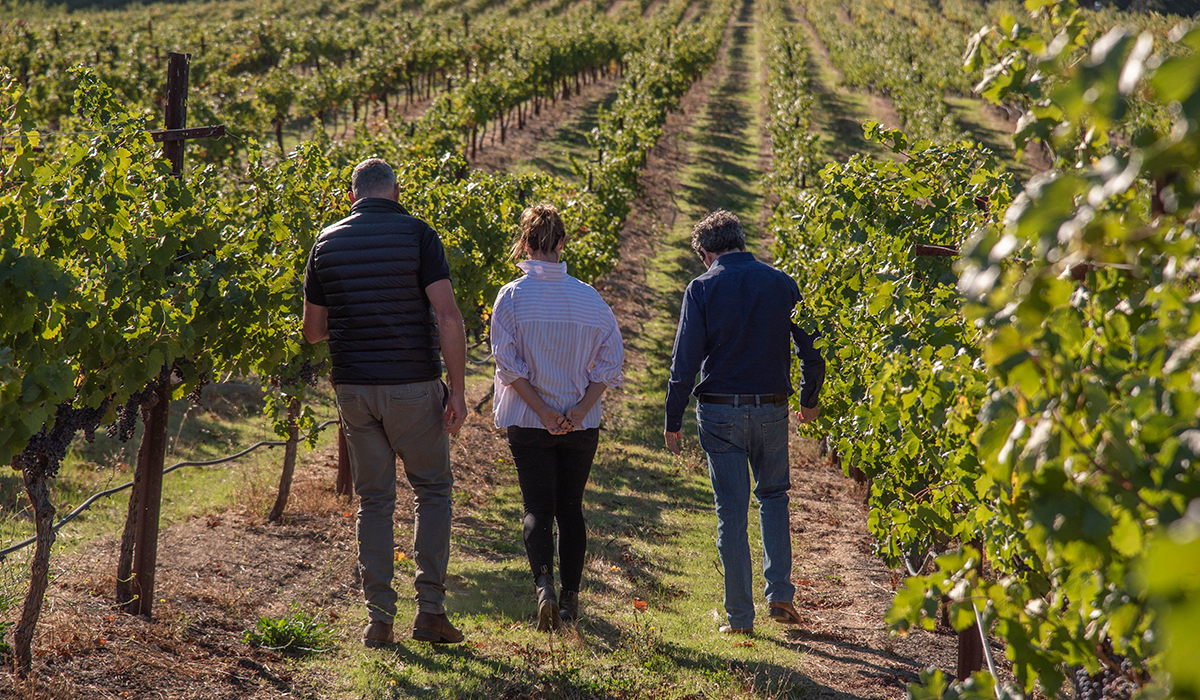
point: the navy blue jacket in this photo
(735, 329)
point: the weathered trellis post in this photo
(970, 640)
(139, 542)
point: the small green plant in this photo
(298, 633)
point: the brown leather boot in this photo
(548, 615)
(568, 606)
(377, 633)
(429, 627)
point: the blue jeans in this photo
(739, 440)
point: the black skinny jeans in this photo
(553, 471)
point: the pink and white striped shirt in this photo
(557, 332)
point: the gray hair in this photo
(718, 232)
(373, 178)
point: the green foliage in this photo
(1086, 297)
(107, 265)
(1170, 579)
(119, 274)
(299, 632)
(655, 80)
(1029, 64)
(261, 71)
(789, 103)
(906, 50)
(1036, 397)
(934, 685)
(903, 383)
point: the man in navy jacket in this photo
(735, 330)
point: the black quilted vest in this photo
(381, 327)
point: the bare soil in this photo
(1001, 119)
(498, 155)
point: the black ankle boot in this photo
(548, 616)
(568, 606)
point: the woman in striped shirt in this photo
(557, 348)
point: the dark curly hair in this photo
(718, 232)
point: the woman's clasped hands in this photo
(562, 423)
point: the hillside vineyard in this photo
(1001, 257)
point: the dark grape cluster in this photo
(1107, 684)
(127, 414)
(45, 451)
(196, 396)
(306, 373)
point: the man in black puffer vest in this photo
(378, 288)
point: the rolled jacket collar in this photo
(377, 204)
(735, 257)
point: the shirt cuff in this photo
(674, 424)
(509, 376)
(608, 380)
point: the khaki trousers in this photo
(381, 423)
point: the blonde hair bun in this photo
(541, 231)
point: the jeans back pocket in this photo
(717, 435)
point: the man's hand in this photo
(673, 439)
(455, 413)
(808, 415)
(453, 340)
(554, 421)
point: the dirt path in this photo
(843, 650)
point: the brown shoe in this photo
(428, 627)
(784, 613)
(548, 614)
(729, 629)
(568, 606)
(377, 634)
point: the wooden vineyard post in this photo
(176, 113)
(289, 462)
(970, 641)
(970, 652)
(139, 542)
(344, 482)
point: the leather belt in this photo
(745, 399)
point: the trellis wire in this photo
(117, 489)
